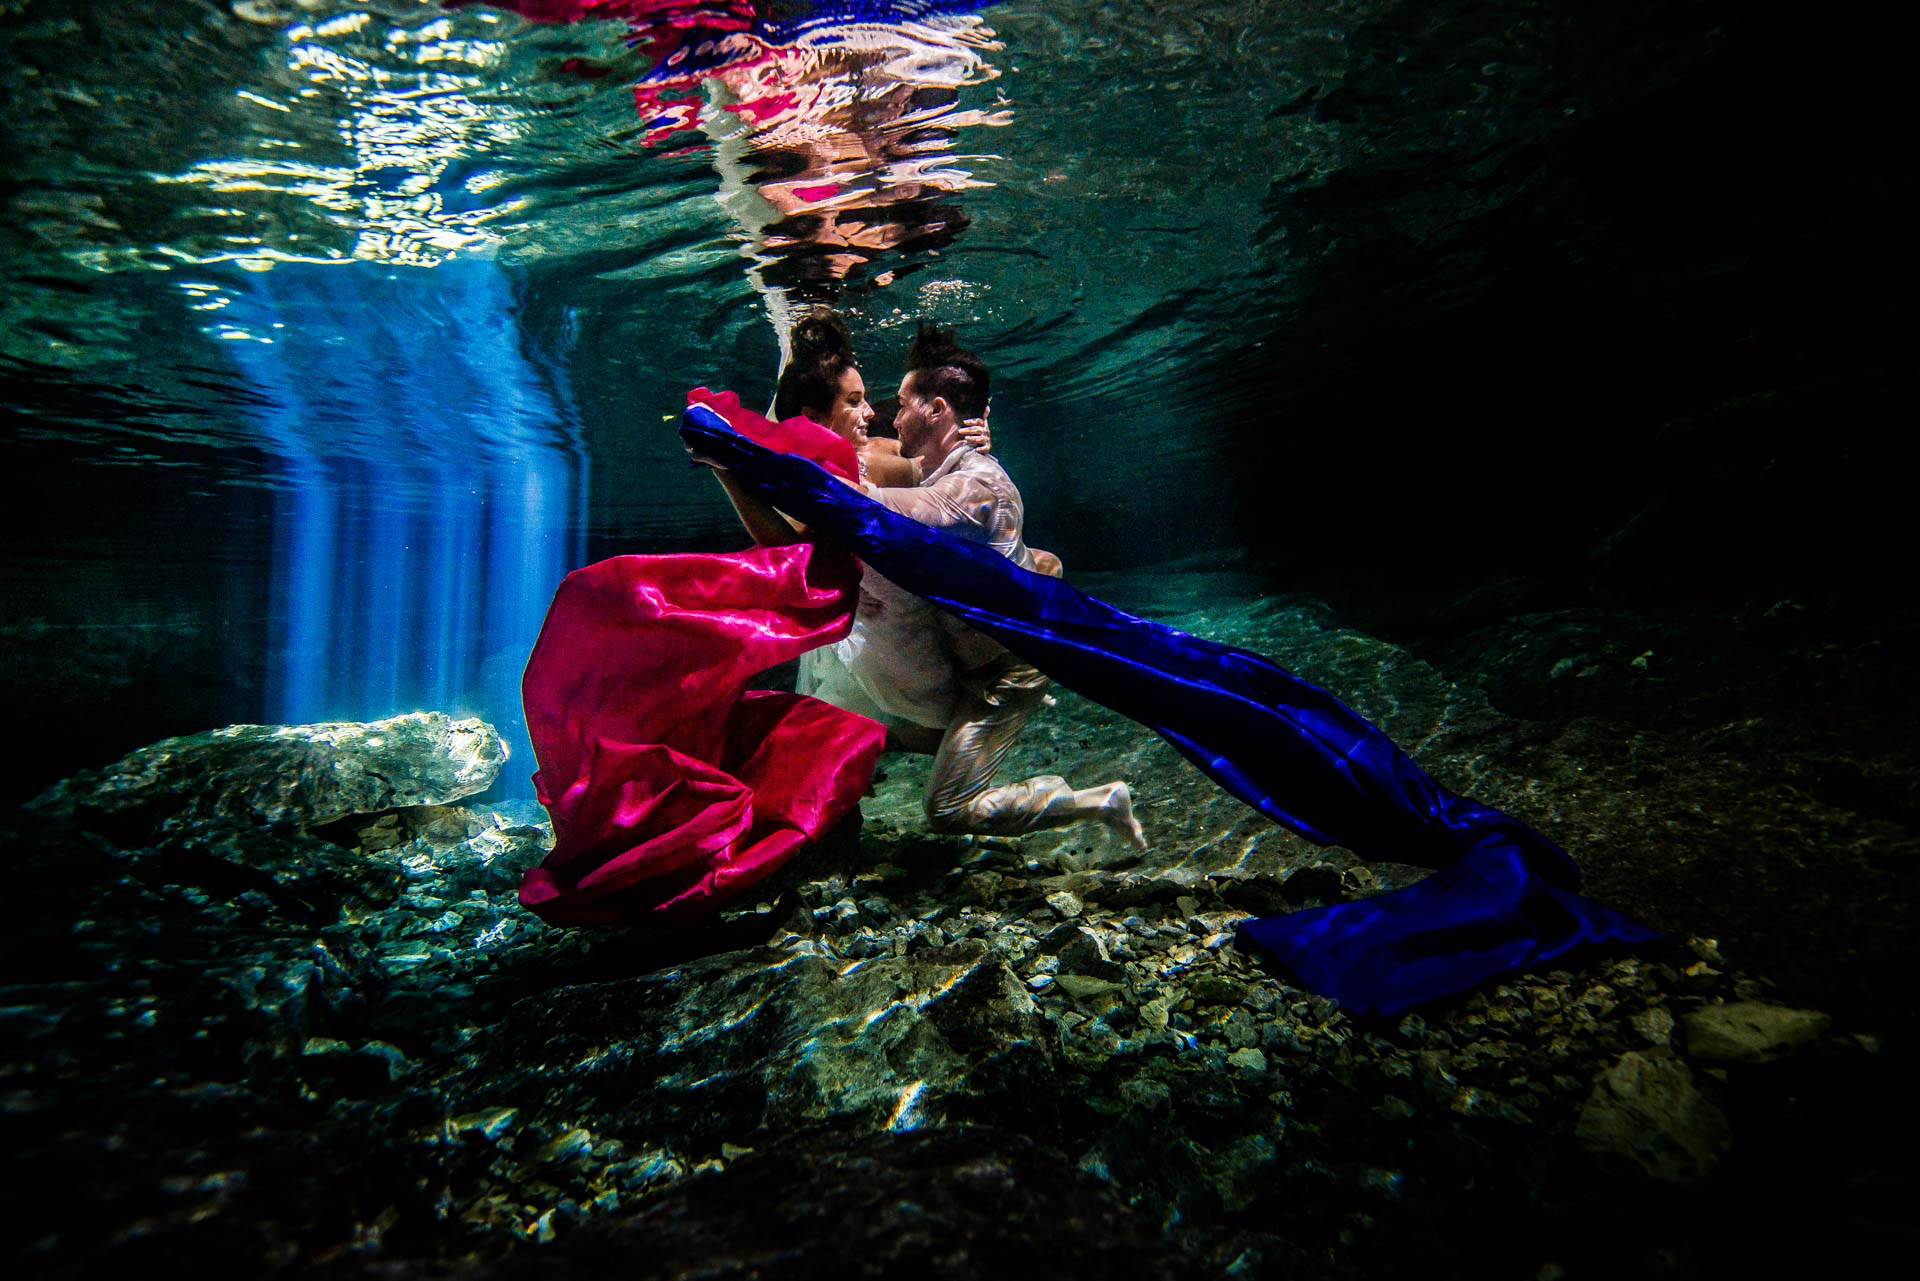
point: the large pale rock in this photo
(289, 775)
(1751, 1031)
(1647, 1109)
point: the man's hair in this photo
(942, 367)
(822, 354)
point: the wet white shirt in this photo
(900, 660)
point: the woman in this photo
(822, 384)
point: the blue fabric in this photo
(1503, 898)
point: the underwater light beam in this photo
(431, 487)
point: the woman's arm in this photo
(765, 526)
(886, 467)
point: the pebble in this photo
(1065, 904)
(571, 1144)
(1654, 1026)
(1215, 989)
(1146, 1095)
(489, 1123)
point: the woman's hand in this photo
(975, 432)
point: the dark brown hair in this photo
(822, 354)
(942, 367)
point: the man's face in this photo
(914, 422)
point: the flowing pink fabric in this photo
(673, 787)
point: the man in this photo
(908, 645)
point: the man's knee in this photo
(949, 815)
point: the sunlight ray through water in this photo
(383, 606)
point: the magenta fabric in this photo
(673, 787)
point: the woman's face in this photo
(851, 412)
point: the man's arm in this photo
(957, 503)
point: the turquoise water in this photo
(387, 307)
(336, 332)
(1519, 370)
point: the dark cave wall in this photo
(1596, 292)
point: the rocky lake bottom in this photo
(272, 1006)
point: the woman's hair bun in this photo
(819, 336)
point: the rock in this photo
(1085, 953)
(1394, 1108)
(1316, 881)
(1217, 989)
(439, 826)
(286, 775)
(1751, 1032)
(1646, 1109)
(1082, 987)
(489, 1123)
(1248, 1060)
(1146, 1094)
(1065, 904)
(1260, 895)
(981, 889)
(565, 1148)
(1126, 890)
(1654, 1026)
(1707, 950)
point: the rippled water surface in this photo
(181, 181)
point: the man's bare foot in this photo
(1116, 811)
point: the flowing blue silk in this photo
(1503, 896)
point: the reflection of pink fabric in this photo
(813, 195)
(670, 99)
(672, 787)
(761, 110)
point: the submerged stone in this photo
(1751, 1031)
(488, 1122)
(1646, 1108)
(288, 775)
